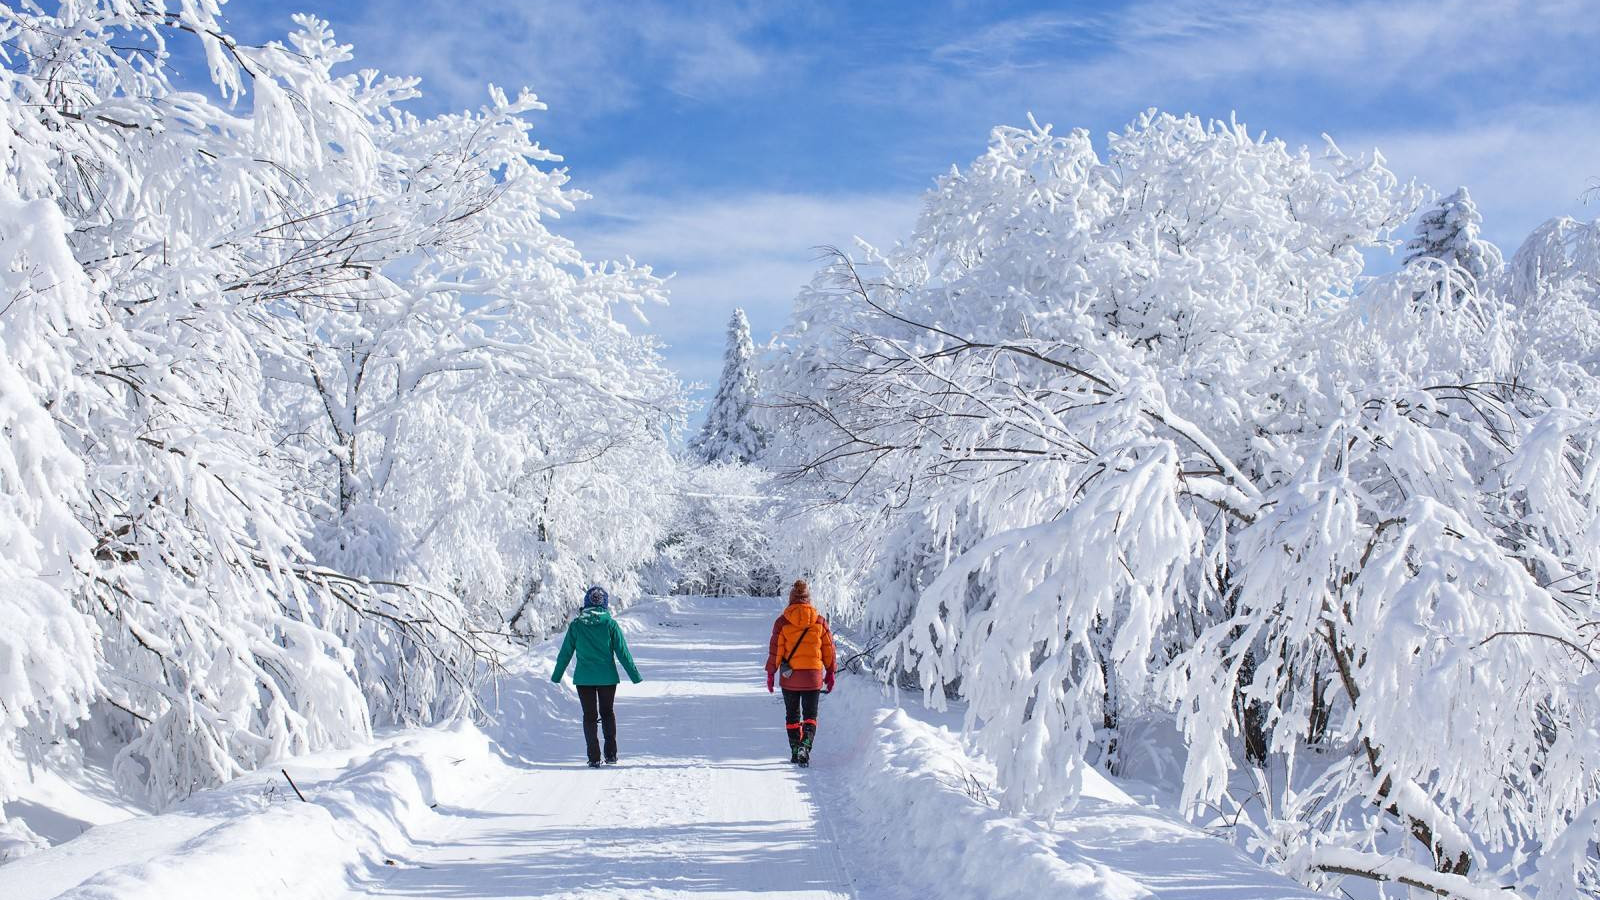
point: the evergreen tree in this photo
(730, 433)
(1449, 233)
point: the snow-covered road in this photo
(704, 804)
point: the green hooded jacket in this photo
(598, 641)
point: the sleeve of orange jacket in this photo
(827, 646)
(772, 645)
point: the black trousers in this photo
(597, 700)
(800, 708)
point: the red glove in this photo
(769, 681)
(828, 680)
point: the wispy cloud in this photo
(585, 57)
(754, 250)
(1373, 43)
(708, 59)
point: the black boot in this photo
(807, 735)
(794, 744)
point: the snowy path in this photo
(702, 805)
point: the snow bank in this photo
(60, 800)
(308, 849)
(920, 807)
(254, 838)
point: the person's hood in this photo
(801, 614)
(594, 615)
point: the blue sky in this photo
(724, 140)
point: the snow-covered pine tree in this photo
(1449, 232)
(730, 433)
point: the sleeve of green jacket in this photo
(619, 646)
(568, 644)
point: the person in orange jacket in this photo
(800, 656)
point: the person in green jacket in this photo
(597, 640)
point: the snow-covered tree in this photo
(292, 380)
(1450, 232)
(731, 432)
(1553, 283)
(1447, 238)
(1149, 447)
(719, 543)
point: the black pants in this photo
(597, 702)
(800, 714)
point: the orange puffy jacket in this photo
(814, 655)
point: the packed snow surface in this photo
(704, 805)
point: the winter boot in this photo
(807, 735)
(794, 742)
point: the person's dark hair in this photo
(800, 593)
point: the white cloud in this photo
(710, 58)
(582, 56)
(746, 224)
(1371, 60)
(754, 250)
(1144, 48)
